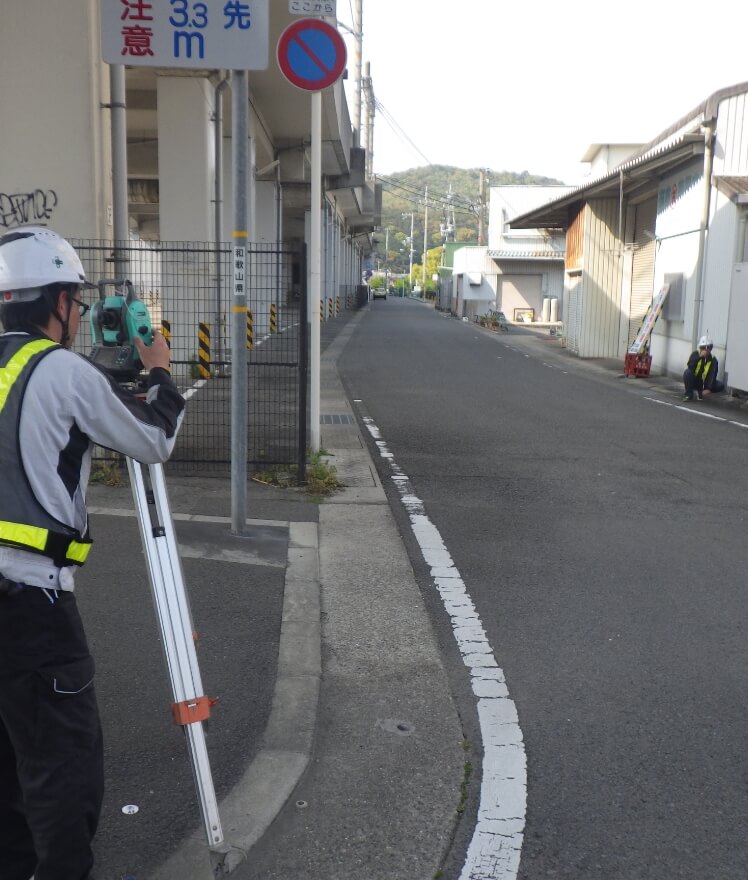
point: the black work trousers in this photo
(51, 756)
(692, 382)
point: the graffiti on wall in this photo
(31, 207)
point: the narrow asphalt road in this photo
(602, 539)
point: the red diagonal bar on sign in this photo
(312, 54)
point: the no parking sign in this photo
(311, 54)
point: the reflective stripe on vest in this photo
(705, 364)
(62, 548)
(12, 370)
(34, 538)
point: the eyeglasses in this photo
(82, 307)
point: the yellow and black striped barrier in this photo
(203, 350)
(273, 318)
(322, 310)
(348, 300)
(250, 330)
(337, 305)
(329, 308)
(166, 331)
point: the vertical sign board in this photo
(207, 34)
(650, 319)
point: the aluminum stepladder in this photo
(191, 707)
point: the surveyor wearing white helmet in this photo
(700, 375)
(54, 405)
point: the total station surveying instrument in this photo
(116, 319)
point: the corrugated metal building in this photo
(675, 213)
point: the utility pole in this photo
(387, 258)
(358, 99)
(425, 239)
(410, 247)
(481, 205)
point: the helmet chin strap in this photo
(65, 337)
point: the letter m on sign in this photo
(186, 40)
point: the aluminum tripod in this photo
(190, 707)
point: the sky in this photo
(528, 85)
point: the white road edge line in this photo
(694, 412)
(495, 848)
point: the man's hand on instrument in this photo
(157, 354)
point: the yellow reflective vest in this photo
(24, 523)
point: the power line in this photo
(398, 129)
(408, 192)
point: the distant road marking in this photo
(495, 849)
(695, 412)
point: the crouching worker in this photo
(701, 372)
(54, 404)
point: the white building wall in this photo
(720, 258)
(473, 261)
(55, 157)
(679, 206)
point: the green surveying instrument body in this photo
(116, 319)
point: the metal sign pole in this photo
(239, 157)
(311, 55)
(315, 258)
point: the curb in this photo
(267, 783)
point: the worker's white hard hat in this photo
(32, 257)
(705, 342)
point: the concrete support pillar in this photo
(185, 158)
(186, 169)
(55, 145)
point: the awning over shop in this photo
(479, 293)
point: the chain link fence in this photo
(188, 289)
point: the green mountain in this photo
(456, 197)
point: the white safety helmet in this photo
(32, 257)
(705, 342)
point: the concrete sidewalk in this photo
(670, 387)
(348, 761)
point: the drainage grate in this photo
(337, 420)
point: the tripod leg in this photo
(191, 707)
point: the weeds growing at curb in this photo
(467, 772)
(321, 476)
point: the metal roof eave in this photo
(525, 256)
(636, 175)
